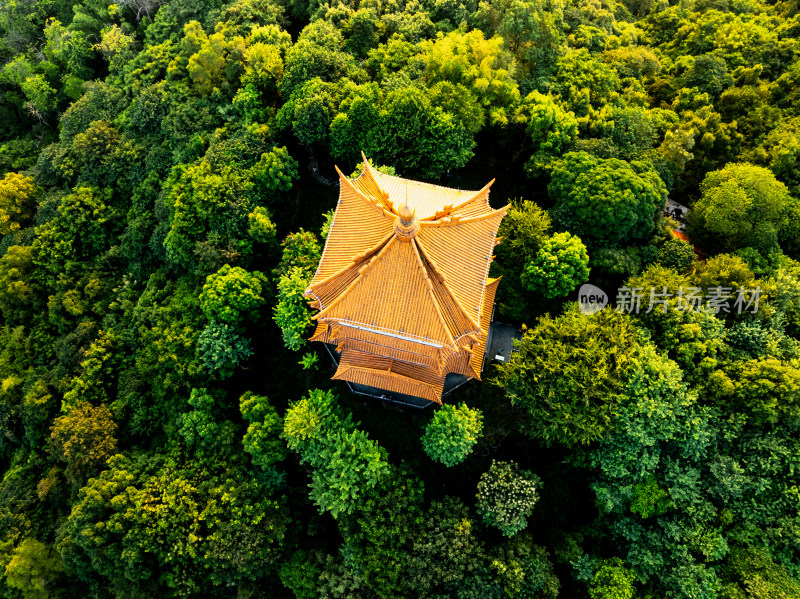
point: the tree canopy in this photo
(167, 188)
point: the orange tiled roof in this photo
(401, 288)
(700, 255)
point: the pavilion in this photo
(402, 288)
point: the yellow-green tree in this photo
(17, 201)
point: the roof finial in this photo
(407, 225)
(406, 212)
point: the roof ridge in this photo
(361, 272)
(456, 219)
(370, 174)
(450, 209)
(374, 202)
(429, 286)
(445, 337)
(443, 282)
(360, 257)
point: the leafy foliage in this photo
(345, 461)
(17, 194)
(122, 500)
(569, 375)
(552, 130)
(606, 201)
(262, 439)
(222, 349)
(84, 439)
(506, 497)
(612, 580)
(676, 254)
(291, 312)
(743, 206)
(561, 264)
(452, 433)
(232, 294)
(33, 568)
(157, 157)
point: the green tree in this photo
(693, 338)
(649, 499)
(415, 136)
(263, 66)
(222, 348)
(755, 575)
(17, 199)
(301, 254)
(448, 531)
(231, 295)
(676, 254)
(301, 573)
(607, 202)
(522, 231)
(569, 375)
(101, 156)
(34, 570)
(345, 462)
(712, 142)
(212, 58)
(708, 73)
(780, 151)
(767, 389)
(532, 30)
(382, 532)
(309, 421)
(561, 264)
(726, 270)
(584, 84)
(460, 102)
(275, 171)
(116, 46)
(215, 526)
(506, 497)
(657, 421)
(167, 321)
(83, 438)
(310, 110)
(261, 228)
(197, 427)
(612, 581)
(205, 204)
(452, 433)
(291, 313)
(552, 130)
(99, 370)
(349, 463)
(318, 52)
(742, 206)
(263, 437)
(356, 125)
(481, 65)
(301, 250)
(16, 292)
(81, 230)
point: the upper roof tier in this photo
(407, 260)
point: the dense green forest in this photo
(165, 193)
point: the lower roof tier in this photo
(391, 375)
(403, 366)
